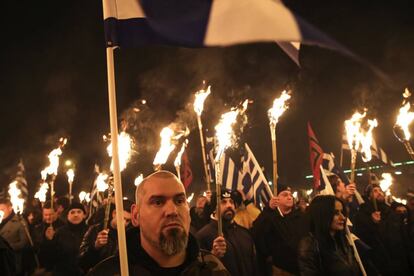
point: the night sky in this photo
(53, 83)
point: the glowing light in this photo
(386, 181)
(398, 172)
(166, 146)
(41, 194)
(15, 197)
(138, 180)
(68, 163)
(71, 174)
(366, 141)
(295, 195)
(101, 183)
(279, 107)
(309, 192)
(200, 97)
(352, 127)
(177, 161)
(224, 129)
(125, 144)
(1, 215)
(190, 198)
(405, 116)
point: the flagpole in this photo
(203, 152)
(123, 258)
(353, 163)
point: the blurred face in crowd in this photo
(162, 213)
(48, 215)
(341, 190)
(401, 210)
(6, 209)
(339, 219)
(227, 209)
(285, 199)
(378, 194)
(76, 216)
(199, 207)
(127, 219)
(410, 203)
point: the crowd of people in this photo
(328, 235)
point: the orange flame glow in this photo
(405, 116)
(200, 97)
(177, 161)
(279, 107)
(15, 198)
(41, 194)
(125, 144)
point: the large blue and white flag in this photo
(253, 180)
(200, 23)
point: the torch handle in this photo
(177, 169)
(108, 207)
(356, 254)
(70, 192)
(203, 153)
(29, 237)
(218, 198)
(353, 162)
(274, 154)
(409, 149)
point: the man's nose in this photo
(170, 208)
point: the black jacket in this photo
(278, 237)
(316, 259)
(140, 263)
(89, 255)
(240, 256)
(63, 250)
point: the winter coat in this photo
(63, 249)
(197, 262)
(278, 237)
(315, 259)
(240, 256)
(89, 256)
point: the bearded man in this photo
(160, 242)
(236, 247)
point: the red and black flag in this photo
(185, 171)
(316, 157)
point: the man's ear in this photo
(135, 215)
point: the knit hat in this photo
(281, 187)
(76, 205)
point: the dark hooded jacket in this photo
(140, 263)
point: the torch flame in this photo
(101, 184)
(366, 141)
(1, 215)
(15, 198)
(200, 97)
(54, 160)
(224, 129)
(405, 116)
(190, 198)
(177, 161)
(41, 194)
(279, 107)
(353, 127)
(166, 146)
(138, 180)
(309, 192)
(125, 144)
(82, 196)
(386, 181)
(71, 174)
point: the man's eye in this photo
(180, 201)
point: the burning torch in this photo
(70, 174)
(279, 107)
(52, 169)
(404, 119)
(225, 138)
(200, 97)
(125, 144)
(352, 127)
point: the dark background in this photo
(53, 83)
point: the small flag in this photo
(316, 156)
(185, 171)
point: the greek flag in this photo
(253, 180)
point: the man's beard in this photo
(228, 215)
(174, 242)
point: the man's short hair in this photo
(140, 191)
